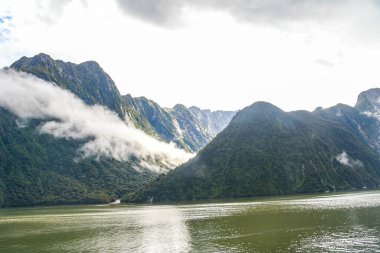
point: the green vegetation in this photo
(265, 151)
(38, 169)
(86, 80)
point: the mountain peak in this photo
(41, 59)
(43, 56)
(91, 64)
(260, 107)
(264, 105)
(179, 107)
(368, 100)
(46, 60)
(87, 80)
(195, 108)
(263, 112)
(370, 92)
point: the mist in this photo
(346, 160)
(66, 116)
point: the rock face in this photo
(213, 122)
(369, 100)
(190, 129)
(369, 105)
(38, 169)
(266, 151)
(178, 124)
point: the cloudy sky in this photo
(217, 54)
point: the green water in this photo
(325, 223)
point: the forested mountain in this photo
(262, 151)
(37, 168)
(266, 151)
(86, 80)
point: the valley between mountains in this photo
(69, 137)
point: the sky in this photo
(216, 54)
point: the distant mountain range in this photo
(266, 151)
(38, 169)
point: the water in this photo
(326, 223)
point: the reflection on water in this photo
(102, 229)
(164, 230)
(359, 239)
(146, 229)
(328, 223)
(354, 200)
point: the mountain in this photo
(177, 124)
(190, 128)
(86, 80)
(212, 121)
(197, 127)
(38, 169)
(181, 125)
(266, 151)
(368, 101)
(369, 105)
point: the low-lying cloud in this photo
(66, 116)
(346, 160)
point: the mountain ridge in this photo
(266, 151)
(94, 86)
(38, 169)
(260, 150)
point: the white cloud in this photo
(346, 160)
(170, 12)
(66, 116)
(270, 51)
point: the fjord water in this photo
(324, 223)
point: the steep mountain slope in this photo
(86, 80)
(191, 129)
(369, 105)
(157, 121)
(266, 151)
(39, 169)
(148, 114)
(36, 168)
(368, 100)
(213, 122)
